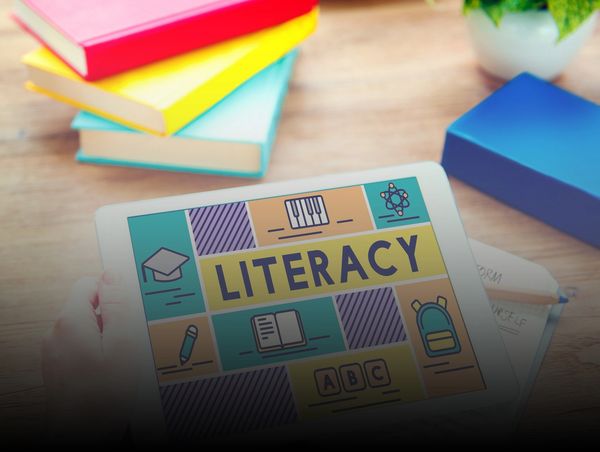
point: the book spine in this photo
(120, 52)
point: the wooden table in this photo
(377, 85)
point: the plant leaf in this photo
(494, 10)
(470, 5)
(570, 14)
(515, 6)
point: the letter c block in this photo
(377, 372)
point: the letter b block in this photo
(353, 378)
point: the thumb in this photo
(118, 341)
(115, 313)
(120, 373)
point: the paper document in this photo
(522, 325)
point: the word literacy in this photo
(318, 266)
(263, 275)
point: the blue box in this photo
(537, 148)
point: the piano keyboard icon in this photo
(306, 212)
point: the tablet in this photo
(308, 305)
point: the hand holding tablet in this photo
(306, 304)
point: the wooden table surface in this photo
(377, 85)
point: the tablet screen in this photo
(278, 310)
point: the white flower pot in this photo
(526, 41)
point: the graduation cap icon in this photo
(165, 265)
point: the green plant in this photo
(568, 14)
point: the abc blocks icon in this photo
(352, 377)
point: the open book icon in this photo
(275, 331)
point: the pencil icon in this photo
(187, 345)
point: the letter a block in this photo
(328, 382)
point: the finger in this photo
(85, 290)
(79, 313)
(117, 338)
(114, 307)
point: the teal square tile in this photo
(166, 266)
(396, 203)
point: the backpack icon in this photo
(436, 328)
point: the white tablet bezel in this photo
(501, 385)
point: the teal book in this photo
(234, 138)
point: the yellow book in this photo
(163, 97)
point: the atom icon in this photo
(396, 199)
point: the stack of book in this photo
(188, 85)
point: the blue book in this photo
(234, 138)
(536, 147)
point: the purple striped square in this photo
(229, 404)
(221, 228)
(370, 317)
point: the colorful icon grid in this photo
(299, 307)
